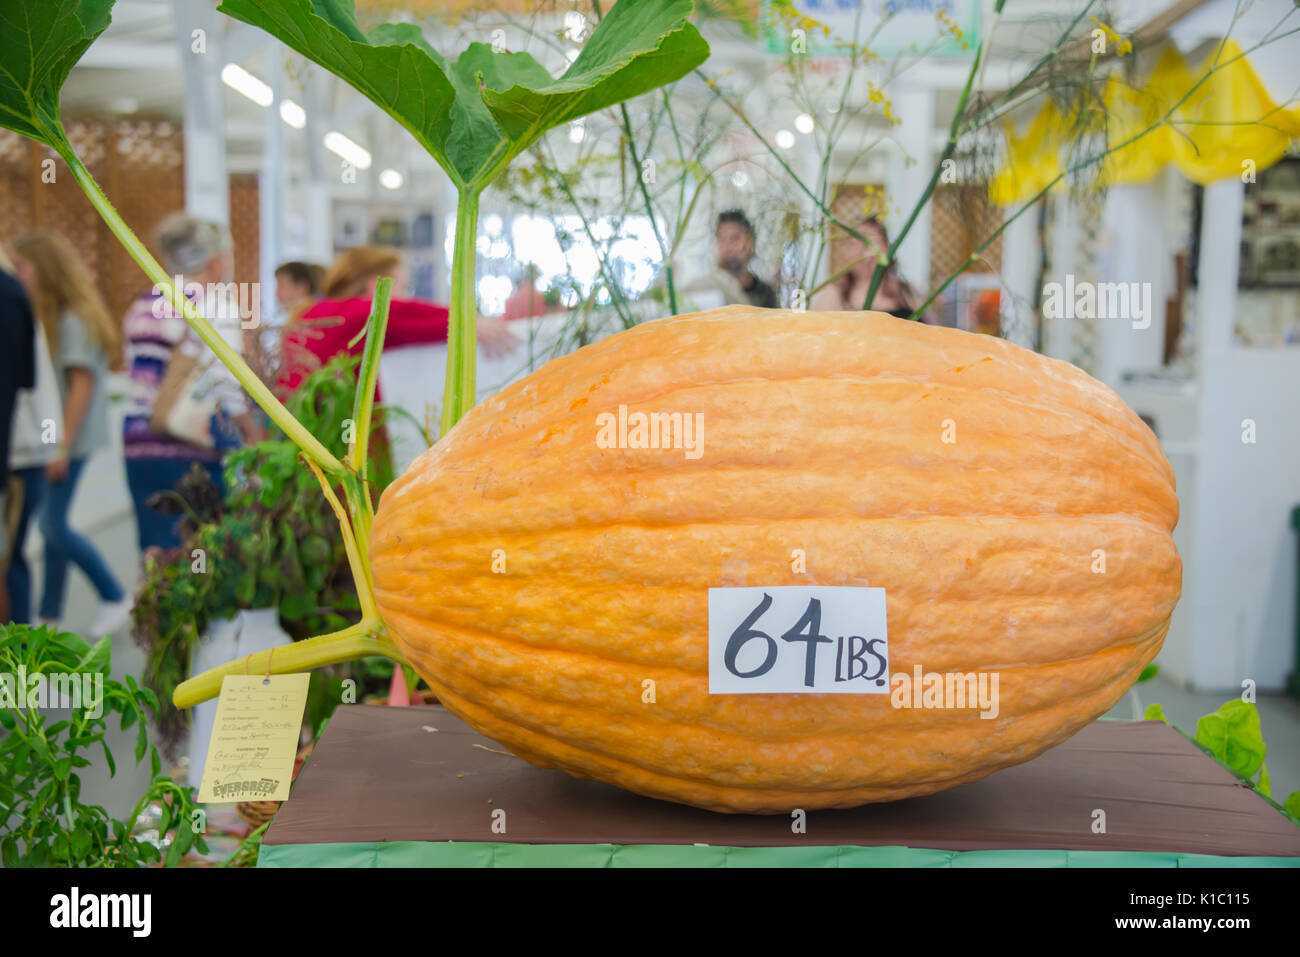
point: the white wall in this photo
(1243, 594)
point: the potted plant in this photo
(262, 568)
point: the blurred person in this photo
(296, 282)
(328, 328)
(17, 371)
(38, 420)
(735, 240)
(895, 296)
(197, 252)
(84, 342)
(526, 302)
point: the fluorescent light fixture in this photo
(740, 179)
(293, 114)
(391, 179)
(803, 123)
(355, 154)
(784, 139)
(241, 81)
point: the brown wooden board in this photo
(380, 774)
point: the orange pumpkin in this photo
(1017, 513)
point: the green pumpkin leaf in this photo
(40, 42)
(1149, 672)
(1155, 712)
(1233, 736)
(475, 115)
(1265, 784)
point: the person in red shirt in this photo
(329, 326)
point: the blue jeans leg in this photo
(149, 476)
(19, 577)
(63, 544)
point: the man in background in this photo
(735, 239)
(17, 371)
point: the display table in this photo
(401, 787)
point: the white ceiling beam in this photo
(242, 40)
(121, 55)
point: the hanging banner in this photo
(886, 27)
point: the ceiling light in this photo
(803, 123)
(391, 179)
(293, 114)
(784, 139)
(355, 154)
(241, 81)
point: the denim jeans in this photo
(63, 544)
(19, 577)
(147, 476)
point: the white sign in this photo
(798, 639)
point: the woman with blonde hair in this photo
(319, 331)
(84, 342)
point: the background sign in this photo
(912, 26)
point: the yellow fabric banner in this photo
(1209, 122)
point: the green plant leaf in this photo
(40, 42)
(98, 657)
(1265, 784)
(476, 114)
(1155, 712)
(1292, 805)
(1149, 672)
(80, 841)
(1232, 735)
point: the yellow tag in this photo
(254, 738)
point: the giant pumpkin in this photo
(1017, 513)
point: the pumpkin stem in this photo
(356, 555)
(365, 639)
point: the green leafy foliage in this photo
(476, 114)
(40, 43)
(1149, 672)
(1232, 735)
(45, 823)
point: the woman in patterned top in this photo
(199, 252)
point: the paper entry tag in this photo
(254, 738)
(798, 639)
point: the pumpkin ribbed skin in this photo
(822, 432)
